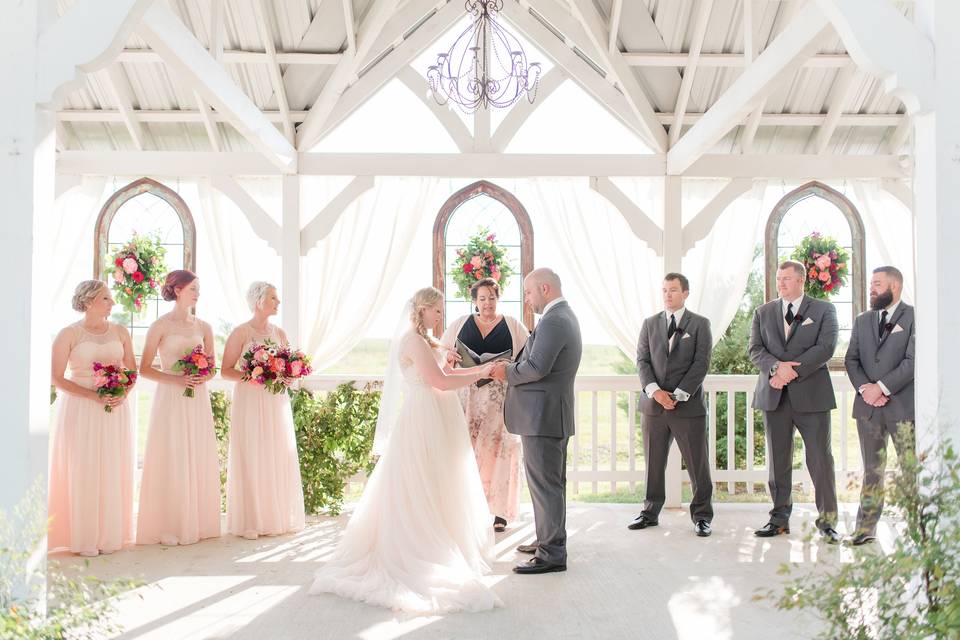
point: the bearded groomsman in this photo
(673, 356)
(879, 363)
(791, 341)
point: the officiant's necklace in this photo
(487, 322)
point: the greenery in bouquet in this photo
(136, 270)
(481, 258)
(826, 264)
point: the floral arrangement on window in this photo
(481, 258)
(136, 270)
(826, 265)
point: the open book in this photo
(470, 358)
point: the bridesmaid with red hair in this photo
(180, 487)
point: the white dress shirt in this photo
(783, 311)
(876, 327)
(653, 387)
(552, 304)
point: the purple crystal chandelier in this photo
(486, 65)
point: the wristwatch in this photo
(773, 369)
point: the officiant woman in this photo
(497, 452)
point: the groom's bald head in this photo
(540, 287)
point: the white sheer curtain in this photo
(618, 275)
(230, 255)
(71, 245)
(889, 232)
(349, 275)
(718, 266)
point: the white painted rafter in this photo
(616, 13)
(242, 56)
(261, 222)
(701, 225)
(119, 88)
(782, 58)
(640, 223)
(264, 19)
(186, 57)
(216, 50)
(344, 73)
(701, 21)
(654, 133)
(843, 86)
(350, 25)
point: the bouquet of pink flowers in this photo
(274, 367)
(194, 363)
(112, 380)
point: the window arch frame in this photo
(136, 188)
(815, 188)
(520, 215)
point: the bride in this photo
(419, 539)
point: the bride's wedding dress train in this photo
(420, 537)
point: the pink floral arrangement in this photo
(481, 258)
(274, 367)
(825, 262)
(136, 269)
(195, 363)
(112, 380)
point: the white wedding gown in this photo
(421, 536)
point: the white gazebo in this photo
(729, 112)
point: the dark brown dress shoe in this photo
(642, 521)
(770, 530)
(702, 527)
(536, 565)
(861, 539)
(830, 535)
(528, 548)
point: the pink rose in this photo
(257, 372)
(823, 262)
(295, 368)
(495, 274)
(99, 381)
(824, 276)
(118, 275)
(476, 261)
(262, 355)
(491, 237)
(130, 265)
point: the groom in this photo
(539, 407)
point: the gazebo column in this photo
(937, 189)
(672, 258)
(290, 257)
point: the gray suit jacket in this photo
(812, 341)
(540, 397)
(684, 367)
(889, 360)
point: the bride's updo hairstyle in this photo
(426, 297)
(84, 294)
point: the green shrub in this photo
(334, 439)
(221, 426)
(911, 592)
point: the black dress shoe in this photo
(528, 548)
(642, 521)
(769, 530)
(536, 565)
(861, 539)
(702, 527)
(830, 535)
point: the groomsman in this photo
(791, 342)
(673, 356)
(879, 362)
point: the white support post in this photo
(690, 70)
(672, 258)
(290, 285)
(937, 189)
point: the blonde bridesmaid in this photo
(264, 493)
(90, 499)
(180, 488)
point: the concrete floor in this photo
(659, 583)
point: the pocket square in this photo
(687, 335)
(806, 322)
(897, 329)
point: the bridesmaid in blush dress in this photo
(90, 498)
(180, 487)
(264, 493)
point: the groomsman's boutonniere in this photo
(887, 328)
(798, 319)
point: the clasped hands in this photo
(873, 395)
(496, 370)
(784, 375)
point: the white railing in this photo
(607, 451)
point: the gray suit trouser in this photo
(814, 428)
(691, 437)
(545, 461)
(873, 447)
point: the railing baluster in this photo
(844, 466)
(731, 437)
(613, 439)
(632, 437)
(576, 444)
(712, 430)
(750, 441)
(594, 439)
